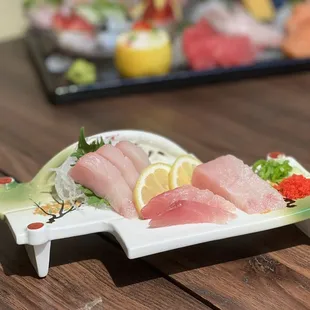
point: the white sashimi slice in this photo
(105, 180)
(230, 178)
(121, 162)
(138, 157)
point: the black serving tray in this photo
(109, 83)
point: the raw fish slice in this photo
(121, 162)
(205, 48)
(105, 180)
(162, 202)
(296, 43)
(138, 157)
(230, 178)
(299, 17)
(190, 212)
(237, 21)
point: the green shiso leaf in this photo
(93, 199)
(84, 147)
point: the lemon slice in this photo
(152, 182)
(182, 171)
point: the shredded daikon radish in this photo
(66, 188)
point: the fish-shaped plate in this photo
(35, 218)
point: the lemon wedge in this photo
(182, 171)
(152, 182)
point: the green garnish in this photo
(272, 170)
(132, 37)
(84, 147)
(81, 72)
(109, 5)
(182, 26)
(28, 4)
(93, 199)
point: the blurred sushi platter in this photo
(95, 48)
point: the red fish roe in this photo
(294, 187)
(275, 155)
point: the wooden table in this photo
(268, 270)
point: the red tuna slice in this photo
(72, 22)
(241, 50)
(200, 53)
(190, 212)
(201, 30)
(225, 53)
(191, 36)
(105, 180)
(162, 203)
(230, 178)
(215, 47)
(229, 51)
(203, 56)
(205, 49)
(205, 27)
(194, 48)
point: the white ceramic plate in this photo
(135, 237)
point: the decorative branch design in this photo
(62, 211)
(290, 203)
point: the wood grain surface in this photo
(83, 271)
(268, 270)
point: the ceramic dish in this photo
(35, 219)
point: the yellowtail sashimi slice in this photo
(105, 180)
